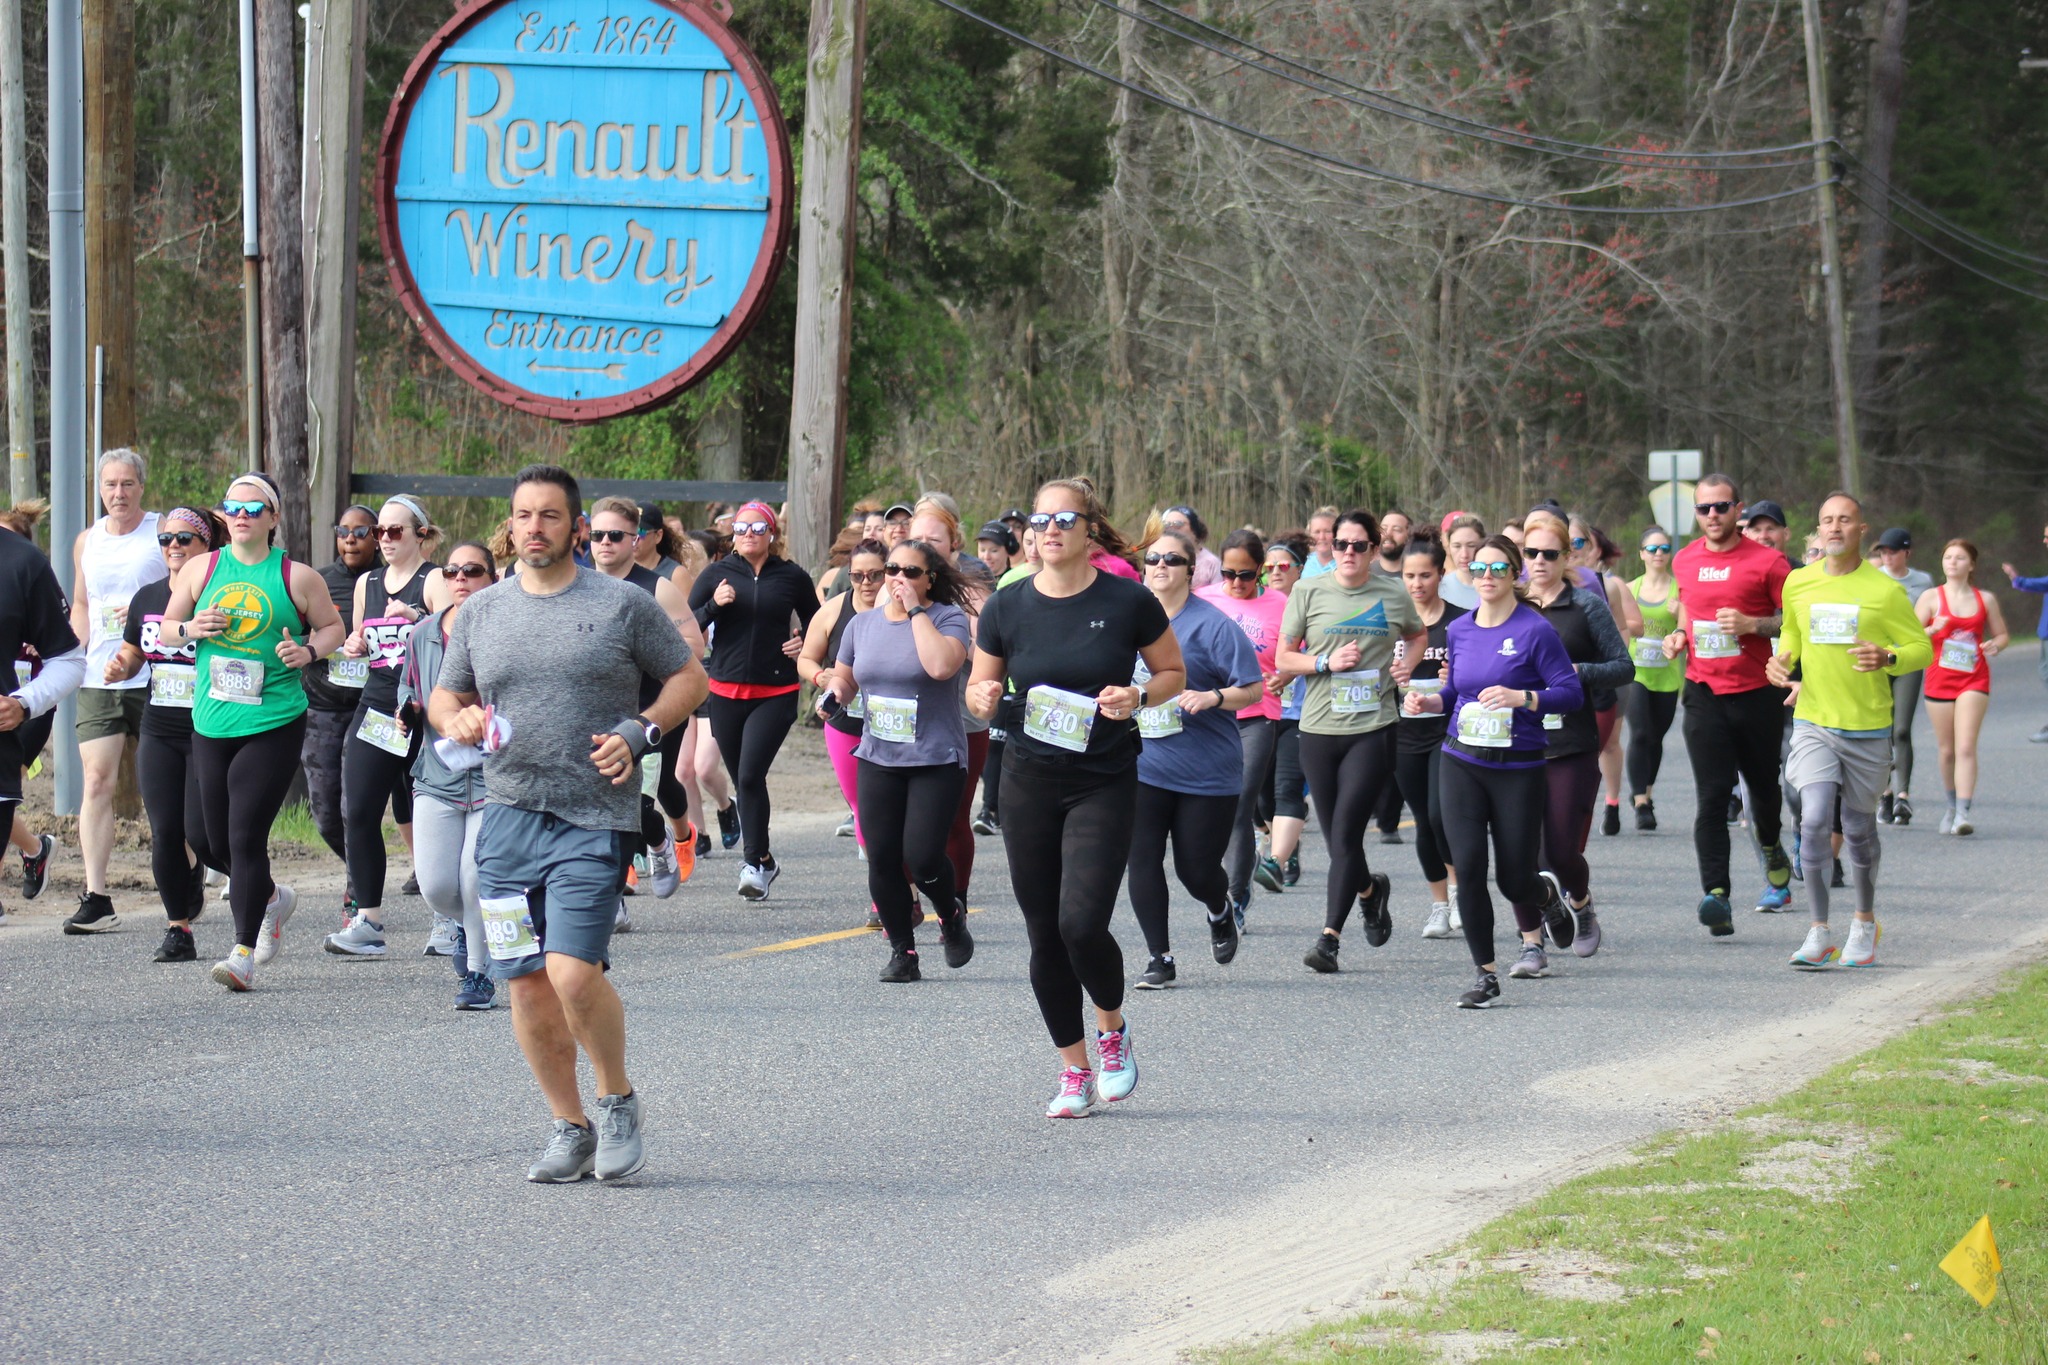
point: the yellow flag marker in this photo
(1974, 1263)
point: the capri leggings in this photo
(370, 780)
(1068, 836)
(670, 794)
(750, 731)
(444, 855)
(1479, 799)
(1289, 796)
(1416, 775)
(839, 747)
(1649, 720)
(1256, 736)
(242, 785)
(1199, 826)
(1346, 775)
(907, 813)
(170, 798)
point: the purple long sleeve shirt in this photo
(1522, 653)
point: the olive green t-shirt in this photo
(1323, 614)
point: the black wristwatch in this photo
(1891, 658)
(919, 610)
(1219, 695)
(642, 735)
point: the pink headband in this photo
(193, 520)
(767, 513)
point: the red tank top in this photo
(1959, 664)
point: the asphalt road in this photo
(331, 1167)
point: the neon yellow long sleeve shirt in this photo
(1827, 613)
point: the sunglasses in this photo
(1578, 542)
(1356, 547)
(865, 575)
(1528, 553)
(1721, 508)
(610, 537)
(1240, 575)
(464, 571)
(1656, 549)
(750, 528)
(176, 537)
(910, 571)
(392, 532)
(243, 507)
(354, 532)
(1059, 521)
(1169, 559)
(1491, 568)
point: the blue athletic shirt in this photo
(1205, 758)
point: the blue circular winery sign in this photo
(584, 203)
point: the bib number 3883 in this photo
(1055, 716)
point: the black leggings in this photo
(1479, 798)
(750, 731)
(1068, 836)
(670, 793)
(905, 816)
(1285, 796)
(992, 776)
(1199, 827)
(1256, 736)
(242, 785)
(170, 798)
(1649, 720)
(1387, 817)
(1730, 736)
(370, 780)
(1346, 776)
(327, 735)
(1571, 786)
(1415, 774)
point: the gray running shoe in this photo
(1533, 962)
(1439, 923)
(666, 873)
(622, 923)
(2039, 736)
(570, 1155)
(362, 938)
(441, 939)
(620, 1152)
(845, 830)
(756, 877)
(270, 938)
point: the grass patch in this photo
(1807, 1229)
(294, 825)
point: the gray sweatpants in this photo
(444, 858)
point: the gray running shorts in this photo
(572, 879)
(1860, 766)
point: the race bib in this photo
(1959, 654)
(893, 720)
(1649, 652)
(343, 671)
(508, 928)
(24, 671)
(173, 685)
(1832, 623)
(1355, 693)
(1157, 722)
(234, 680)
(1709, 641)
(1424, 687)
(857, 709)
(1553, 720)
(1485, 727)
(380, 731)
(1060, 718)
(110, 620)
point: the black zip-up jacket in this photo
(751, 629)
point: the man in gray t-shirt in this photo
(557, 653)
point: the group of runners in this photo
(1111, 704)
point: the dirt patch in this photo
(1823, 1166)
(1562, 1274)
(1451, 1348)
(1957, 1071)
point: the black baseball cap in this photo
(905, 508)
(1896, 538)
(1017, 515)
(1764, 510)
(997, 533)
(650, 518)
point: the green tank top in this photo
(1659, 620)
(243, 687)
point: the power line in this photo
(2012, 255)
(1952, 259)
(1513, 136)
(1359, 167)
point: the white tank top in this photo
(116, 567)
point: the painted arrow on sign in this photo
(615, 370)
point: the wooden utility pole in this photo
(336, 31)
(110, 209)
(21, 383)
(282, 273)
(824, 275)
(1848, 456)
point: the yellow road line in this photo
(790, 945)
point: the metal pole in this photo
(1848, 454)
(252, 322)
(68, 474)
(21, 380)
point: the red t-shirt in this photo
(1750, 577)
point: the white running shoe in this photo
(361, 938)
(236, 970)
(223, 896)
(1076, 1097)
(622, 923)
(1457, 919)
(665, 873)
(755, 878)
(1819, 949)
(1962, 824)
(1864, 936)
(270, 938)
(1117, 1065)
(1439, 923)
(441, 939)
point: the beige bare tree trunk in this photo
(283, 270)
(336, 32)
